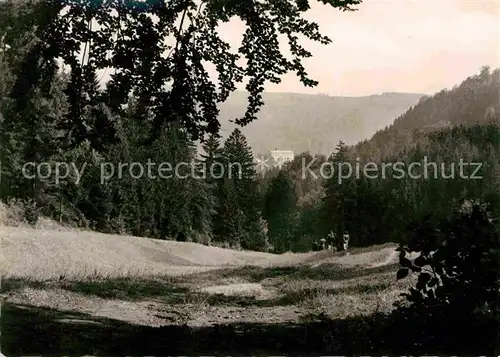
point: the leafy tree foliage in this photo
(458, 265)
(461, 254)
(159, 50)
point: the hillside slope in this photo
(314, 123)
(47, 254)
(475, 101)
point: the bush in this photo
(23, 213)
(458, 263)
(17, 212)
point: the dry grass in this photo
(326, 291)
(48, 254)
(205, 284)
(52, 251)
(43, 254)
(88, 277)
(359, 296)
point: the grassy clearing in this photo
(361, 294)
(322, 272)
(151, 280)
(47, 254)
(68, 293)
(126, 288)
(322, 302)
(328, 289)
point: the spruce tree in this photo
(213, 159)
(30, 135)
(213, 169)
(337, 192)
(229, 221)
(280, 210)
(240, 170)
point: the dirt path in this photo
(391, 258)
(157, 312)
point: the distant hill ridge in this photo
(314, 122)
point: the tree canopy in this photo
(159, 51)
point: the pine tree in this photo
(338, 190)
(175, 217)
(213, 159)
(229, 221)
(280, 213)
(213, 169)
(30, 135)
(203, 201)
(240, 169)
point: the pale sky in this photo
(417, 46)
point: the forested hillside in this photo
(380, 205)
(474, 101)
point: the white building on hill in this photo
(282, 156)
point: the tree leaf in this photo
(402, 273)
(424, 278)
(405, 262)
(415, 269)
(420, 261)
(420, 285)
(433, 282)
